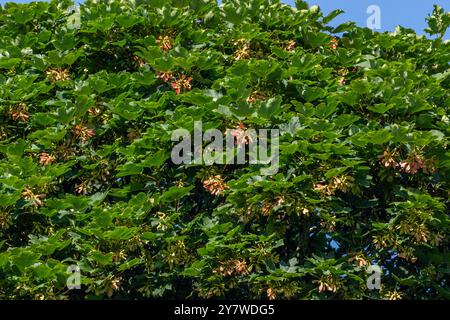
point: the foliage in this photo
(88, 103)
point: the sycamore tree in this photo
(90, 97)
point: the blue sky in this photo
(407, 13)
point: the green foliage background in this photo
(139, 226)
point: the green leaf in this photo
(127, 21)
(335, 172)
(156, 160)
(8, 63)
(312, 93)
(324, 110)
(102, 259)
(25, 259)
(129, 169)
(130, 264)
(149, 236)
(345, 120)
(270, 108)
(380, 108)
(333, 14)
(120, 233)
(64, 41)
(175, 193)
(380, 137)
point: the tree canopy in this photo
(89, 98)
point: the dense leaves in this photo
(89, 97)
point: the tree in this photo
(89, 100)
